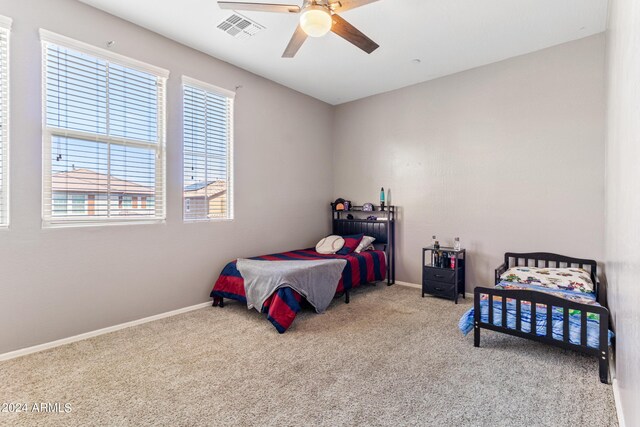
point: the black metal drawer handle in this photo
(438, 289)
(440, 276)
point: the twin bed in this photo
(281, 307)
(368, 266)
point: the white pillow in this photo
(365, 243)
(330, 245)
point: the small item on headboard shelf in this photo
(367, 207)
(338, 205)
(382, 199)
(433, 243)
(349, 216)
(372, 218)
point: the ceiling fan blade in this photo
(259, 7)
(352, 34)
(299, 36)
(344, 5)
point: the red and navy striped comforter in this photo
(281, 307)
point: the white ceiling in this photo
(448, 36)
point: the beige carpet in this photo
(389, 358)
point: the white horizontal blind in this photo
(4, 120)
(104, 139)
(208, 143)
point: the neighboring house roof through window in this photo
(88, 181)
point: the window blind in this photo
(5, 26)
(208, 143)
(104, 138)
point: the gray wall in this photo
(508, 156)
(56, 283)
(622, 198)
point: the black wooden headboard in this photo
(383, 230)
(373, 228)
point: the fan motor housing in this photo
(321, 3)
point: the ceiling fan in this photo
(317, 18)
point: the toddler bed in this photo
(556, 294)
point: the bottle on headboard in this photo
(434, 242)
(382, 198)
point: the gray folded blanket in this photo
(316, 280)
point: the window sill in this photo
(84, 224)
(205, 221)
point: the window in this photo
(77, 203)
(104, 135)
(208, 144)
(5, 27)
(60, 202)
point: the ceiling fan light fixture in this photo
(316, 21)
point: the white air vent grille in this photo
(240, 27)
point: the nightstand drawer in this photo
(439, 275)
(439, 289)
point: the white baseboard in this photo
(616, 391)
(417, 286)
(69, 340)
(616, 399)
(409, 285)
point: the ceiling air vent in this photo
(240, 27)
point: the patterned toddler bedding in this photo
(570, 279)
(593, 322)
(282, 307)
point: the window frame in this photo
(230, 95)
(5, 128)
(49, 132)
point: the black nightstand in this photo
(443, 281)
